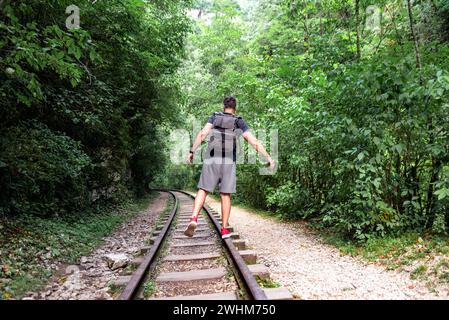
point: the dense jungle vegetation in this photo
(358, 91)
(84, 110)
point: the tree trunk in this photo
(357, 21)
(436, 167)
(415, 39)
(321, 26)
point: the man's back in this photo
(227, 128)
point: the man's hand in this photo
(198, 140)
(271, 163)
(190, 158)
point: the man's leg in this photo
(199, 202)
(225, 208)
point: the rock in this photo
(71, 269)
(88, 266)
(116, 260)
(133, 251)
(84, 260)
(94, 274)
(101, 296)
(65, 296)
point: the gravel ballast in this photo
(90, 279)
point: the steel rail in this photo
(250, 282)
(139, 275)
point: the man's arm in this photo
(198, 140)
(252, 140)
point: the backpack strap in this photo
(221, 113)
(220, 122)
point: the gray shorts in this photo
(222, 174)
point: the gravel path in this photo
(311, 269)
(90, 279)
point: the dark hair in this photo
(230, 102)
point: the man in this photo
(219, 165)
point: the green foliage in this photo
(149, 288)
(362, 126)
(40, 167)
(82, 109)
(267, 283)
(362, 141)
(418, 272)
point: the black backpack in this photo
(224, 135)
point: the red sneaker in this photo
(225, 233)
(190, 230)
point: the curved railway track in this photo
(201, 267)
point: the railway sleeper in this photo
(249, 256)
(195, 275)
(191, 257)
(240, 244)
(184, 245)
(281, 293)
(198, 229)
(260, 270)
(196, 236)
(210, 296)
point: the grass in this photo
(130, 268)
(395, 251)
(267, 283)
(114, 290)
(419, 272)
(149, 289)
(30, 244)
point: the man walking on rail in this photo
(219, 165)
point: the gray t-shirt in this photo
(240, 124)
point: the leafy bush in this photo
(39, 168)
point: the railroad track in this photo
(203, 267)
